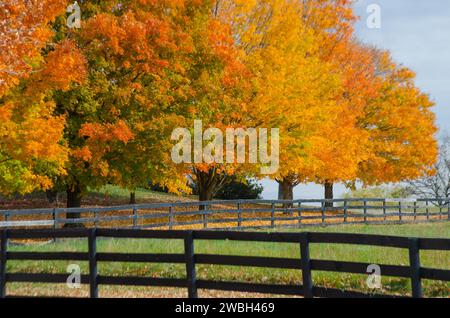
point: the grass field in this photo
(106, 196)
(142, 195)
(374, 255)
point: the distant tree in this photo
(237, 190)
(437, 185)
(401, 127)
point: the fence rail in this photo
(414, 271)
(237, 214)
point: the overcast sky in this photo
(417, 33)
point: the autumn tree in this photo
(343, 142)
(338, 146)
(24, 31)
(98, 105)
(199, 76)
(32, 153)
(298, 88)
(371, 78)
(365, 72)
(286, 43)
(401, 127)
(349, 148)
(120, 119)
(119, 87)
(140, 83)
(221, 90)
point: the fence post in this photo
(400, 211)
(323, 213)
(384, 210)
(96, 218)
(345, 211)
(6, 219)
(55, 218)
(299, 213)
(306, 266)
(3, 259)
(448, 205)
(239, 214)
(272, 216)
(205, 216)
(135, 218)
(414, 265)
(190, 264)
(365, 211)
(93, 281)
(427, 210)
(55, 221)
(415, 210)
(170, 217)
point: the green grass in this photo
(109, 195)
(373, 255)
(142, 195)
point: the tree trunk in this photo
(286, 192)
(74, 196)
(133, 197)
(328, 194)
(280, 191)
(205, 194)
(208, 183)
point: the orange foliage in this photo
(109, 95)
(24, 31)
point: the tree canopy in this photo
(86, 107)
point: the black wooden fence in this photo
(415, 272)
(239, 214)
